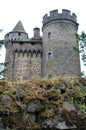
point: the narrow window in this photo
(49, 55)
(49, 33)
(19, 33)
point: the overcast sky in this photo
(31, 12)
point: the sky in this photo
(31, 13)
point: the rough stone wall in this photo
(59, 55)
(21, 69)
(25, 61)
(36, 66)
(29, 62)
(27, 66)
(16, 36)
(9, 59)
(48, 104)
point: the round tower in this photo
(59, 41)
(17, 34)
(14, 39)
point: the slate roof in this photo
(19, 27)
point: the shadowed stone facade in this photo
(49, 56)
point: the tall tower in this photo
(23, 54)
(59, 41)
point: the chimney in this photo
(36, 33)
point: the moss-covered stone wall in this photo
(43, 104)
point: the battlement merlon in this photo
(65, 15)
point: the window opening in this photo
(49, 55)
(19, 33)
(49, 34)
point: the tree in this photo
(82, 46)
(2, 65)
(1, 41)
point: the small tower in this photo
(59, 41)
(17, 34)
(36, 33)
(13, 40)
(23, 54)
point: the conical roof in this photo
(19, 27)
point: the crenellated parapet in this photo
(55, 15)
(28, 52)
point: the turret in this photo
(36, 34)
(17, 34)
(59, 41)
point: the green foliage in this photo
(36, 127)
(1, 43)
(82, 46)
(3, 69)
(55, 90)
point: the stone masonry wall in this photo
(25, 61)
(27, 66)
(21, 66)
(36, 66)
(9, 59)
(59, 56)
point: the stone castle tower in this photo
(59, 41)
(49, 56)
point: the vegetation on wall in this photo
(32, 105)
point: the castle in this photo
(51, 55)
